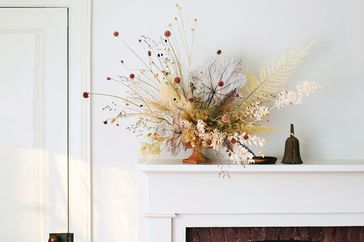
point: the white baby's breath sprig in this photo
(290, 97)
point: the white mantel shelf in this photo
(175, 196)
(176, 165)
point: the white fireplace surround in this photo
(175, 196)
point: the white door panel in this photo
(33, 123)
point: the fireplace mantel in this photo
(175, 165)
(174, 196)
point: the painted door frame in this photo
(79, 58)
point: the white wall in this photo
(258, 31)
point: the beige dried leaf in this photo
(157, 106)
(253, 129)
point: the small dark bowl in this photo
(260, 160)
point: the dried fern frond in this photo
(272, 77)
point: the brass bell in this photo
(292, 150)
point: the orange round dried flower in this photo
(167, 33)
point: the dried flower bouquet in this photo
(221, 105)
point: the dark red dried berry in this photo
(149, 53)
(116, 33)
(177, 79)
(167, 33)
(86, 95)
(208, 142)
(191, 99)
(108, 78)
(246, 136)
(233, 141)
(220, 83)
(219, 52)
(131, 76)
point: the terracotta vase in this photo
(196, 157)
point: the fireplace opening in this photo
(275, 234)
(281, 240)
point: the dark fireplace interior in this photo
(276, 234)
